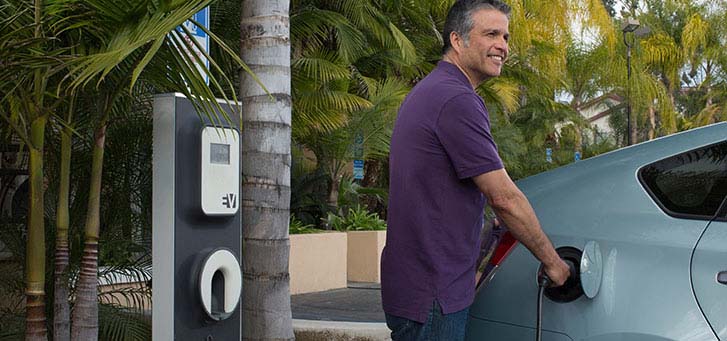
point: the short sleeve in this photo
(463, 128)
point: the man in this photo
(444, 168)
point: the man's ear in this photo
(456, 41)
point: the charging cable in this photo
(543, 282)
(572, 282)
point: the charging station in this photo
(196, 224)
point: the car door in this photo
(709, 259)
(709, 269)
(693, 186)
(709, 274)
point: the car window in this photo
(689, 185)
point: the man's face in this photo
(486, 50)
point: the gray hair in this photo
(460, 19)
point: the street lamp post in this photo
(629, 26)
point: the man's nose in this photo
(501, 45)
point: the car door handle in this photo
(722, 277)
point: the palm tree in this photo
(704, 49)
(342, 51)
(48, 21)
(137, 44)
(265, 47)
(119, 46)
(521, 102)
(123, 210)
(122, 41)
(26, 107)
(682, 38)
(61, 308)
(339, 48)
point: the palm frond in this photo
(313, 26)
(116, 323)
(407, 49)
(333, 99)
(316, 120)
(132, 37)
(661, 51)
(502, 92)
(321, 66)
(695, 35)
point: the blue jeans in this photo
(438, 326)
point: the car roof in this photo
(617, 170)
(635, 156)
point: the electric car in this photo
(645, 230)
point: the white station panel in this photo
(220, 171)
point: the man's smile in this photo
(497, 57)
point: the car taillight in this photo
(506, 243)
(503, 249)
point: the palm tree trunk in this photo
(634, 132)
(85, 311)
(334, 167)
(333, 192)
(61, 310)
(579, 138)
(35, 328)
(652, 121)
(265, 48)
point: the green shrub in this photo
(297, 227)
(357, 219)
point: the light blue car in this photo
(646, 228)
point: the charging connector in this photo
(569, 291)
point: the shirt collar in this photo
(454, 71)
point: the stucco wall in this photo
(125, 295)
(364, 255)
(317, 262)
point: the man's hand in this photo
(558, 272)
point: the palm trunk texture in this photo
(61, 310)
(35, 328)
(333, 192)
(85, 311)
(265, 48)
(652, 122)
(634, 132)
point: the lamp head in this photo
(630, 25)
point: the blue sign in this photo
(549, 155)
(577, 156)
(203, 19)
(358, 169)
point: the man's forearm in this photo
(513, 208)
(520, 219)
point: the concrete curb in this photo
(309, 330)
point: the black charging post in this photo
(196, 224)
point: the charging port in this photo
(572, 289)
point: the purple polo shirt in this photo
(441, 140)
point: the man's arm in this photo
(511, 205)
